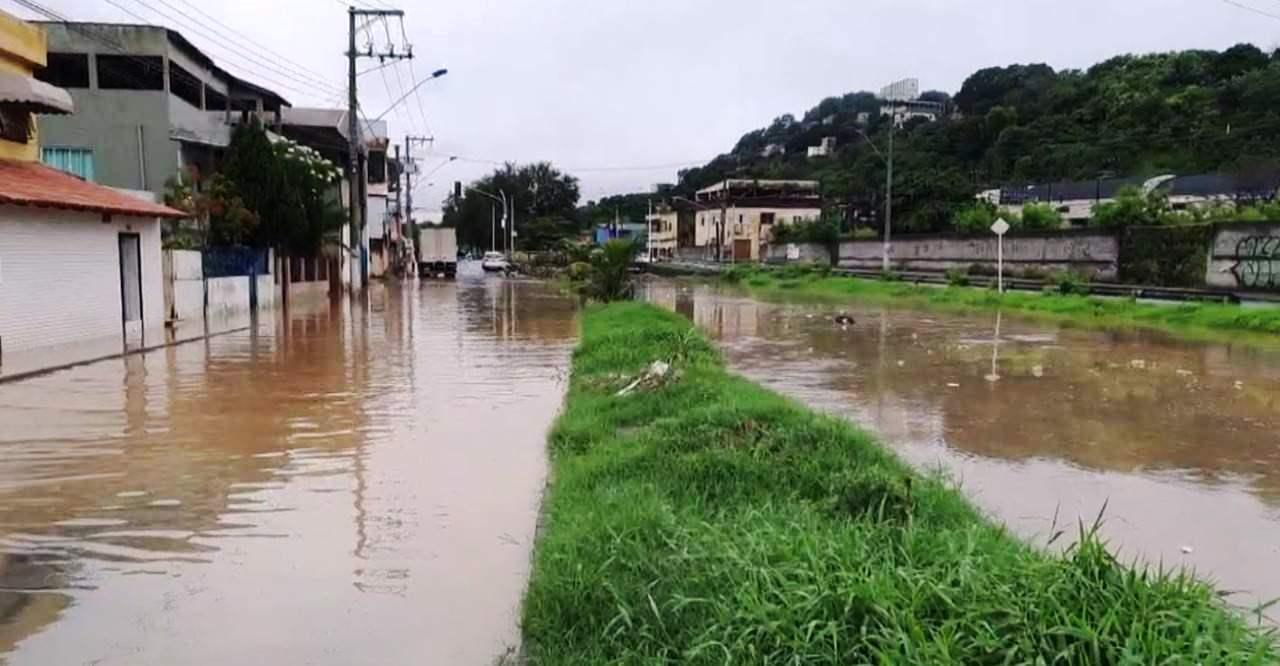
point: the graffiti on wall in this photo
(1258, 262)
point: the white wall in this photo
(60, 276)
(227, 295)
(188, 284)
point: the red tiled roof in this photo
(33, 184)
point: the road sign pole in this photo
(1000, 228)
(1000, 263)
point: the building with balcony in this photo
(736, 217)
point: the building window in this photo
(124, 72)
(66, 70)
(15, 124)
(75, 161)
(214, 100)
(184, 85)
(796, 219)
(377, 167)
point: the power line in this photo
(649, 167)
(1255, 10)
(233, 52)
(280, 58)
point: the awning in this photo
(33, 95)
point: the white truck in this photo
(439, 252)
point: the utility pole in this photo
(888, 189)
(395, 233)
(408, 156)
(355, 175)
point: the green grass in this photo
(710, 521)
(1199, 320)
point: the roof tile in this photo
(33, 184)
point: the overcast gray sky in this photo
(604, 87)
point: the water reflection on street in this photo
(340, 485)
(1182, 440)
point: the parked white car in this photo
(494, 262)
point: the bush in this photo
(1166, 256)
(975, 219)
(957, 277)
(1040, 216)
(609, 278)
(1067, 283)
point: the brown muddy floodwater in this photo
(1180, 440)
(340, 485)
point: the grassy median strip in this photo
(699, 518)
(1193, 319)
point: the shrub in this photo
(1067, 283)
(957, 277)
(609, 278)
(1040, 216)
(1166, 256)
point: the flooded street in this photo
(341, 485)
(1180, 440)
(360, 484)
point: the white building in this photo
(78, 261)
(824, 149)
(740, 214)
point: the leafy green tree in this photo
(975, 219)
(536, 191)
(1040, 216)
(1129, 208)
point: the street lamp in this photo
(434, 75)
(493, 233)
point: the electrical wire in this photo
(1255, 10)
(232, 52)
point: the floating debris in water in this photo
(1239, 385)
(952, 385)
(1185, 373)
(902, 364)
(843, 319)
(1037, 371)
(1138, 364)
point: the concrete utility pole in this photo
(355, 175)
(888, 190)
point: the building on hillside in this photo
(906, 110)
(665, 223)
(825, 148)
(149, 104)
(1075, 200)
(773, 150)
(736, 217)
(78, 261)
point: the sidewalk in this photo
(29, 363)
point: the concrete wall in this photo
(226, 295)
(107, 121)
(186, 277)
(60, 276)
(1245, 256)
(804, 253)
(1091, 253)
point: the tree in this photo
(1129, 208)
(1040, 216)
(536, 192)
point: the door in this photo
(131, 286)
(741, 250)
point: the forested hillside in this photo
(1184, 112)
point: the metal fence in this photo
(235, 261)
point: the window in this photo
(184, 85)
(797, 219)
(377, 167)
(15, 124)
(66, 70)
(214, 100)
(123, 72)
(766, 218)
(75, 161)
